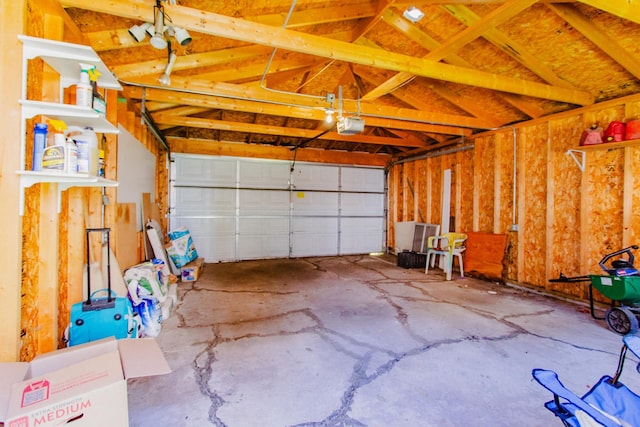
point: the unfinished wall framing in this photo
(557, 217)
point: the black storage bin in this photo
(410, 259)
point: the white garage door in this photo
(241, 209)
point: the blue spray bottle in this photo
(39, 143)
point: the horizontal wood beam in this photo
(242, 100)
(196, 122)
(251, 32)
(234, 149)
(185, 62)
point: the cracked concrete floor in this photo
(358, 341)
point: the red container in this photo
(632, 130)
(615, 132)
(591, 136)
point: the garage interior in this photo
(469, 117)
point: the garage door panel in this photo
(361, 204)
(315, 203)
(261, 247)
(218, 248)
(361, 235)
(362, 179)
(264, 226)
(314, 245)
(205, 171)
(208, 234)
(207, 227)
(264, 174)
(263, 238)
(264, 202)
(315, 177)
(204, 201)
(314, 236)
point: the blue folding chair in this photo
(609, 403)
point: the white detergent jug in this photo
(87, 146)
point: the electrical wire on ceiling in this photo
(275, 49)
(401, 85)
(329, 64)
(271, 57)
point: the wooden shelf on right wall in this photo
(609, 145)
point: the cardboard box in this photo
(85, 385)
(191, 272)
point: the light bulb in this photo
(329, 117)
(165, 79)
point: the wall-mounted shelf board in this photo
(66, 58)
(64, 181)
(609, 145)
(72, 115)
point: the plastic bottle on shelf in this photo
(98, 102)
(71, 156)
(54, 156)
(87, 143)
(84, 90)
(39, 144)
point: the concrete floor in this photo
(358, 341)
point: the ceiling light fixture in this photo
(159, 32)
(151, 31)
(158, 39)
(165, 79)
(413, 14)
(138, 32)
(182, 36)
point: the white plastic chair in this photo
(448, 245)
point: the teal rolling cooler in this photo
(101, 316)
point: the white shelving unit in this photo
(65, 59)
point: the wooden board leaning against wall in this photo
(567, 219)
(53, 248)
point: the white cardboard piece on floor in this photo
(84, 385)
(155, 239)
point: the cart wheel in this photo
(621, 320)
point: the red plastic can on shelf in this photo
(615, 132)
(632, 130)
(591, 136)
